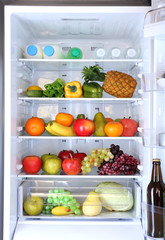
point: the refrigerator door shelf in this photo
(153, 214)
(78, 230)
(154, 25)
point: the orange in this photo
(64, 119)
(34, 126)
(113, 129)
(109, 119)
(33, 88)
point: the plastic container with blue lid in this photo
(53, 51)
(33, 51)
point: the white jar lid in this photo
(100, 52)
(131, 52)
(116, 52)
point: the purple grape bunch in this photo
(122, 164)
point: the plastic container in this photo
(131, 53)
(33, 51)
(74, 53)
(99, 53)
(115, 53)
(53, 51)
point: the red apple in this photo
(79, 155)
(31, 164)
(65, 154)
(130, 127)
(71, 166)
(84, 127)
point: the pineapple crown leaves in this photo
(93, 73)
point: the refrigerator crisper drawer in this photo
(128, 199)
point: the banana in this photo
(49, 130)
(57, 129)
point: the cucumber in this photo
(34, 93)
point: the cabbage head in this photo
(114, 196)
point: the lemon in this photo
(33, 88)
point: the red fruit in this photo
(31, 164)
(71, 166)
(65, 154)
(84, 127)
(130, 127)
(79, 156)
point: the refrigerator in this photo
(139, 25)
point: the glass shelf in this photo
(81, 100)
(137, 138)
(24, 175)
(78, 64)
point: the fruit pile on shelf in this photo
(110, 161)
(65, 125)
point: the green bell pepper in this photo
(92, 90)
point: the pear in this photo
(99, 121)
(92, 205)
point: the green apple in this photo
(33, 206)
(117, 119)
(46, 156)
(52, 165)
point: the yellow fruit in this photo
(57, 129)
(92, 205)
(33, 88)
(60, 211)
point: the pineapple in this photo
(119, 84)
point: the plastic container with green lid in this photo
(74, 53)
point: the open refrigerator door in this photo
(89, 29)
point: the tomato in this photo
(64, 119)
(31, 164)
(130, 127)
(35, 126)
(71, 166)
(84, 127)
(65, 154)
(113, 129)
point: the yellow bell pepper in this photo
(73, 89)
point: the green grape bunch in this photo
(61, 197)
(96, 158)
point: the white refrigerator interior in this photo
(87, 28)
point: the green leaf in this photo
(93, 73)
(55, 89)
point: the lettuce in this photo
(55, 89)
(114, 196)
